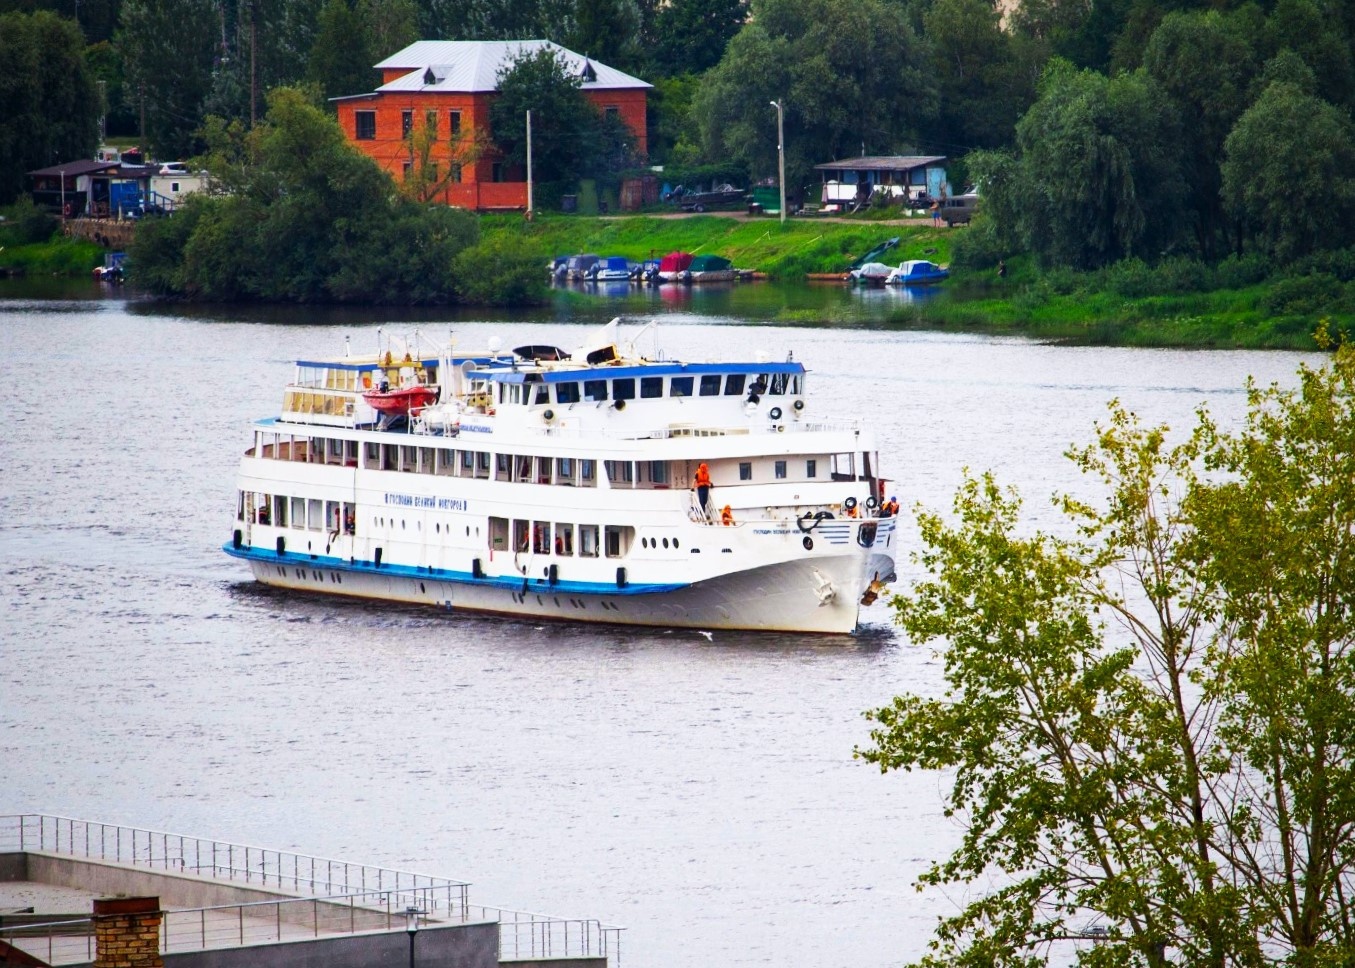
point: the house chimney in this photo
(127, 932)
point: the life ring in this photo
(774, 413)
(850, 503)
(871, 503)
(798, 404)
(66, 211)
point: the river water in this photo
(697, 789)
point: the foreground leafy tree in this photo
(1148, 721)
(50, 104)
(310, 220)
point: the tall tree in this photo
(1289, 172)
(984, 87)
(168, 51)
(51, 102)
(1147, 719)
(848, 72)
(1100, 170)
(1203, 65)
(562, 118)
(341, 60)
(690, 36)
(608, 31)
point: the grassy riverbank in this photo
(1130, 306)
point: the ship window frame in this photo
(811, 468)
(595, 391)
(623, 388)
(589, 544)
(482, 464)
(779, 385)
(680, 386)
(297, 512)
(563, 545)
(503, 467)
(710, 385)
(567, 392)
(564, 470)
(660, 473)
(588, 471)
(745, 470)
(541, 543)
(651, 387)
(616, 540)
(315, 514)
(779, 470)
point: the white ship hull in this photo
(816, 596)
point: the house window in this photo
(454, 122)
(364, 123)
(455, 174)
(406, 123)
(496, 172)
(174, 187)
(745, 471)
(611, 112)
(430, 120)
(408, 167)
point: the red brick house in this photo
(443, 89)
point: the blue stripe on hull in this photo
(299, 560)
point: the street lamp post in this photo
(781, 153)
(529, 164)
(412, 927)
(63, 194)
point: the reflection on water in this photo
(697, 788)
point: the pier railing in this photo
(343, 897)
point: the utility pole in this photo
(529, 164)
(781, 152)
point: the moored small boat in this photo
(710, 268)
(870, 274)
(673, 265)
(916, 272)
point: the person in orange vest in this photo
(726, 516)
(701, 482)
(891, 507)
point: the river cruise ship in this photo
(564, 485)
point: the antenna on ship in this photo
(347, 350)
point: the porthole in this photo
(422, 590)
(665, 542)
(675, 542)
(808, 543)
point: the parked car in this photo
(721, 196)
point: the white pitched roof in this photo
(463, 66)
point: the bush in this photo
(1304, 295)
(979, 247)
(1239, 272)
(24, 223)
(500, 271)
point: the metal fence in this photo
(338, 897)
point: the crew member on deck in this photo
(726, 516)
(891, 508)
(701, 481)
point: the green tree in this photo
(607, 31)
(310, 220)
(51, 103)
(341, 59)
(1099, 169)
(168, 48)
(562, 118)
(849, 73)
(984, 87)
(1204, 66)
(1289, 173)
(1147, 720)
(691, 35)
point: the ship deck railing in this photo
(343, 897)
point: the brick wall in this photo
(127, 932)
